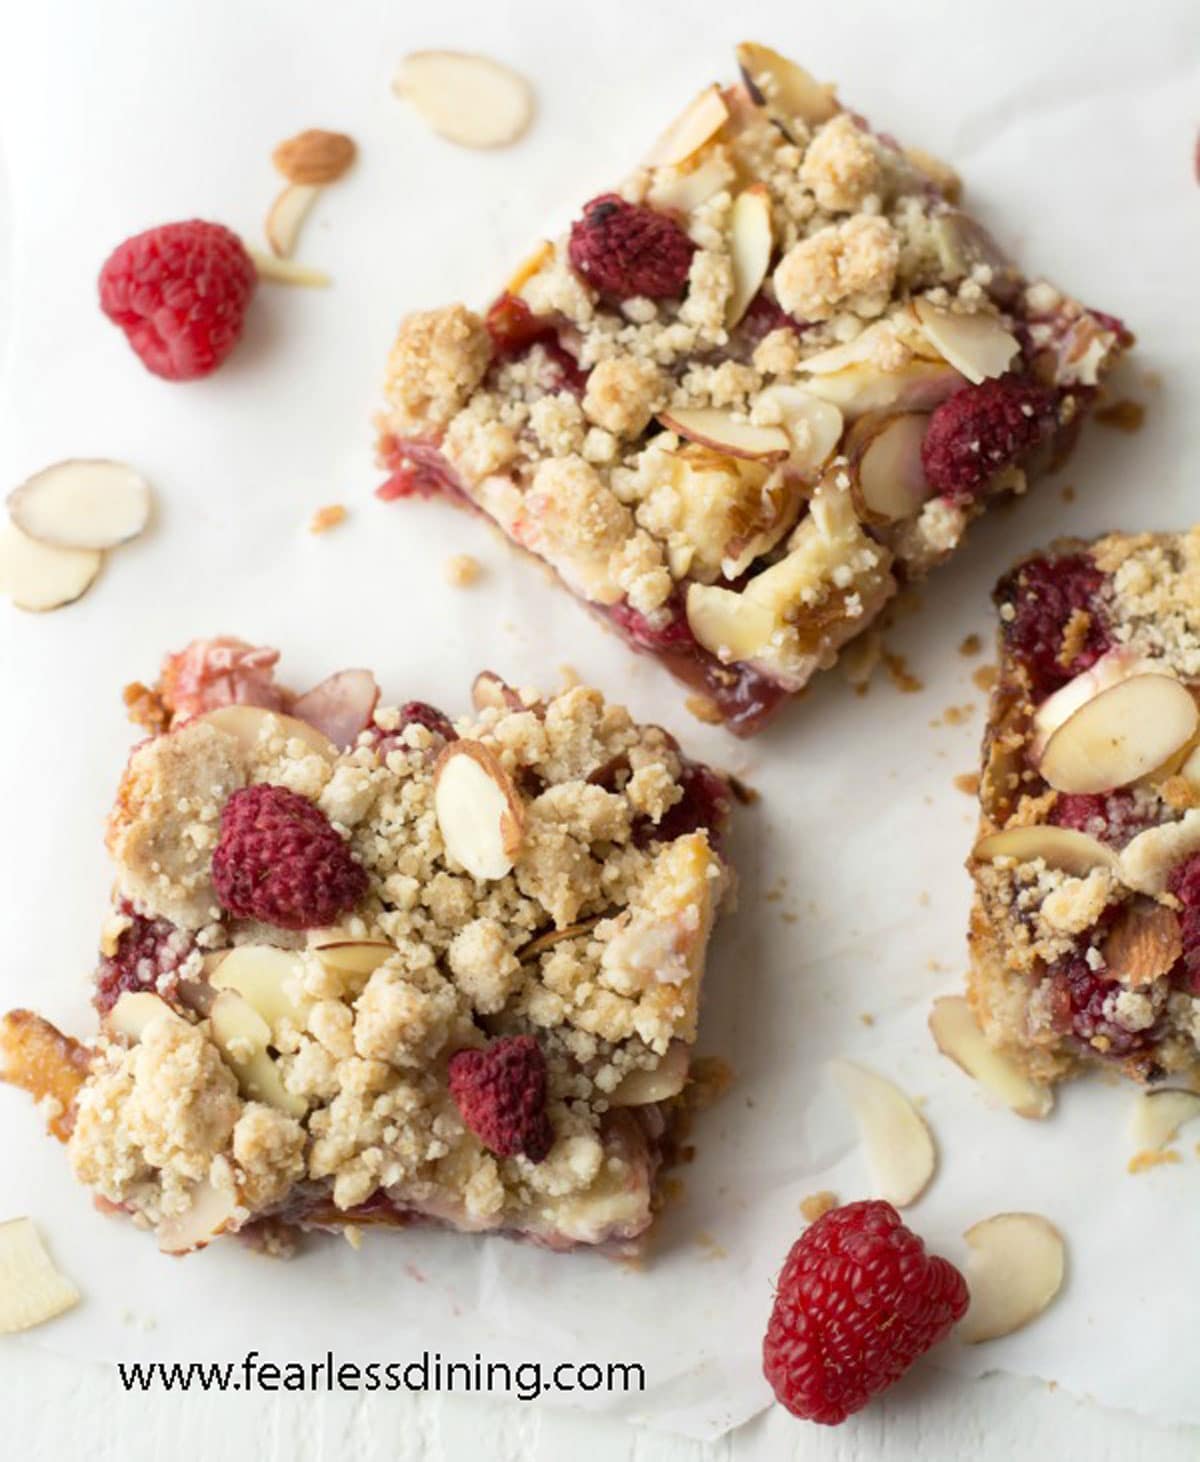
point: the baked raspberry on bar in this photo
(366, 966)
(753, 392)
(1085, 933)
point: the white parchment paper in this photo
(1075, 126)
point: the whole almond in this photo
(315, 156)
(1143, 944)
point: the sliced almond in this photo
(354, 956)
(270, 979)
(253, 727)
(701, 120)
(1190, 770)
(466, 98)
(340, 706)
(287, 215)
(242, 1036)
(869, 345)
(727, 624)
(32, 1290)
(1015, 1267)
(685, 189)
(658, 1084)
(977, 345)
(83, 503)
(785, 90)
(899, 1145)
(1146, 861)
(529, 266)
(750, 244)
(134, 1011)
(887, 475)
(1158, 1116)
(287, 271)
(918, 385)
(1118, 735)
(1110, 669)
(958, 1036)
(490, 693)
(478, 809)
(713, 427)
(208, 1214)
(39, 577)
(542, 942)
(813, 426)
(1063, 848)
(1143, 944)
(315, 156)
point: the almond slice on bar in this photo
(700, 120)
(466, 98)
(478, 809)
(786, 90)
(39, 577)
(723, 432)
(977, 345)
(813, 426)
(242, 1036)
(133, 1013)
(899, 1145)
(1158, 1116)
(750, 244)
(286, 217)
(1143, 944)
(1015, 1267)
(83, 503)
(353, 956)
(887, 475)
(1146, 861)
(287, 271)
(32, 1290)
(248, 725)
(957, 1035)
(207, 1215)
(1064, 848)
(269, 978)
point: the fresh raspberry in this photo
(1081, 1005)
(980, 429)
(673, 636)
(858, 1300)
(1038, 601)
(148, 953)
(501, 1093)
(1113, 817)
(1184, 883)
(624, 249)
(419, 713)
(278, 859)
(180, 293)
(515, 330)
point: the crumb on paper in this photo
(145, 707)
(985, 677)
(1124, 415)
(712, 1249)
(789, 918)
(817, 1204)
(742, 791)
(462, 570)
(971, 645)
(326, 518)
(923, 898)
(901, 676)
(936, 967)
(955, 715)
(1068, 494)
(1152, 380)
(353, 1235)
(867, 1018)
(860, 659)
(710, 1078)
(967, 782)
(704, 709)
(1141, 1162)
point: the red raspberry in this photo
(422, 714)
(147, 951)
(1113, 817)
(180, 293)
(975, 432)
(706, 804)
(1078, 996)
(1044, 595)
(1184, 883)
(623, 249)
(278, 859)
(858, 1300)
(501, 1093)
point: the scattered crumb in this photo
(1152, 380)
(570, 677)
(936, 967)
(790, 918)
(866, 1018)
(353, 1235)
(710, 1078)
(145, 708)
(860, 659)
(713, 1250)
(971, 645)
(958, 715)
(1068, 494)
(923, 898)
(1126, 415)
(985, 677)
(1140, 1162)
(742, 791)
(967, 782)
(326, 518)
(901, 677)
(817, 1204)
(776, 891)
(462, 571)
(704, 709)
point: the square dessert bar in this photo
(751, 393)
(365, 966)
(1085, 933)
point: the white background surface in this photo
(1076, 138)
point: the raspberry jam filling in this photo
(515, 330)
(1083, 1005)
(1053, 619)
(147, 956)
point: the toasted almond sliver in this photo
(82, 503)
(354, 956)
(899, 1145)
(750, 244)
(133, 1013)
(1064, 848)
(700, 120)
(1158, 1116)
(269, 978)
(785, 89)
(1143, 944)
(977, 345)
(286, 271)
(251, 725)
(32, 1290)
(39, 577)
(315, 156)
(478, 809)
(958, 1036)
(287, 215)
(1119, 735)
(1015, 1268)
(551, 937)
(714, 427)
(207, 1215)
(242, 1036)
(466, 98)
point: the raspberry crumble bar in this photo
(1085, 934)
(753, 392)
(366, 966)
